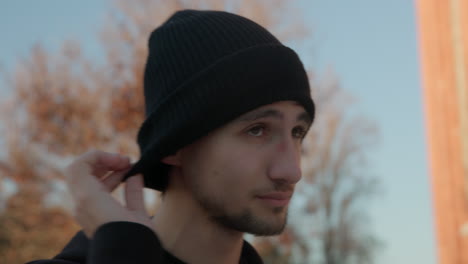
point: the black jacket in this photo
(125, 243)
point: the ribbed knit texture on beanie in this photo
(204, 69)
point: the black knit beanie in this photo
(204, 69)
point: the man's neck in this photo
(189, 234)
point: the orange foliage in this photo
(30, 230)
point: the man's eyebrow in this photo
(304, 116)
(255, 115)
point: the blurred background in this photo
(389, 79)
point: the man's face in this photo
(243, 174)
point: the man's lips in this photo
(276, 199)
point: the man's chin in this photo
(269, 225)
(270, 229)
(259, 223)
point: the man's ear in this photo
(173, 159)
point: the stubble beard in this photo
(246, 221)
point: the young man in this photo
(227, 107)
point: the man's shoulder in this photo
(115, 242)
(126, 242)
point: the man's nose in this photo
(286, 163)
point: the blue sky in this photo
(371, 46)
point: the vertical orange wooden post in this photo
(443, 45)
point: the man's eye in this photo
(299, 132)
(256, 131)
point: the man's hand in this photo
(91, 178)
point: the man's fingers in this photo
(113, 180)
(99, 163)
(134, 194)
(109, 162)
